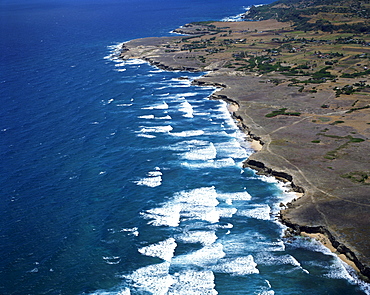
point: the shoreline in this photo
(278, 154)
(346, 256)
(325, 241)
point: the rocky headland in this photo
(302, 93)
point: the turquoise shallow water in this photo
(119, 178)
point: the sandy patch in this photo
(326, 242)
(256, 145)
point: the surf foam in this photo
(238, 266)
(261, 211)
(164, 249)
(203, 237)
(186, 108)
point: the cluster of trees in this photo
(294, 10)
(266, 64)
(356, 74)
(196, 44)
(350, 40)
(349, 89)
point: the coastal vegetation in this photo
(317, 15)
(333, 154)
(362, 177)
(318, 44)
(282, 111)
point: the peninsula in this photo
(296, 73)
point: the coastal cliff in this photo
(305, 98)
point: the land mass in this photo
(297, 81)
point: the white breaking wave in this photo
(226, 212)
(168, 215)
(180, 83)
(157, 280)
(231, 149)
(238, 266)
(204, 114)
(157, 70)
(153, 278)
(201, 153)
(112, 259)
(164, 249)
(196, 204)
(150, 117)
(269, 179)
(186, 108)
(182, 96)
(188, 133)
(121, 64)
(192, 282)
(219, 163)
(337, 269)
(124, 105)
(208, 255)
(115, 52)
(146, 117)
(154, 179)
(274, 246)
(146, 135)
(156, 129)
(135, 61)
(259, 212)
(188, 144)
(125, 291)
(155, 173)
(168, 117)
(238, 17)
(203, 237)
(162, 106)
(267, 258)
(199, 204)
(237, 196)
(150, 181)
(131, 231)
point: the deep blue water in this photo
(119, 178)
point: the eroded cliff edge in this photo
(313, 137)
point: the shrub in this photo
(356, 139)
(282, 111)
(336, 122)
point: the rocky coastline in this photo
(294, 229)
(321, 158)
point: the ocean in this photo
(120, 178)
